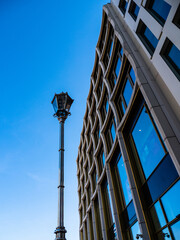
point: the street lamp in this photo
(61, 104)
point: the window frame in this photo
(140, 32)
(164, 54)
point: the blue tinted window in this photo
(176, 230)
(111, 47)
(158, 216)
(103, 159)
(124, 180)
(161, 8)
(107, 106)
(174, 55)
(127, 92)
(113, 132)
(111, 207)
(170, 202)
(135, 230)
(150, 37)
(123, 108)
(118, 65)
(158, 183)
(132, 74)
(136, 10)
(147, 143)
(131, 213)
(121, 52)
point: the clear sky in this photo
(45, 47)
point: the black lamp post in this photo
(61, 104)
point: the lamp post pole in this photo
(61, 103)
(60, 230)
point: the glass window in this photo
(103, 158)
(158, 216)
(127, 92)
(123, 6)
(147, 37)
(170, 202)
(134, 10)
(121, 52)
(118, 65)
(135, 230)
(158, 182)
(107, 106)
(111, 47)
(113, 132)
(131, 213)
(176, 19)
(174, 55)
(159, 9)
(123, 108)
(111, 207)
(124, 180)
(150, 37)
(147, 143)
(176, 230)
(171, 54)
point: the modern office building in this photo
(128, 163)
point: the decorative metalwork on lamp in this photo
(61, 104)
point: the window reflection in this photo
(113, 132)
(147, 143)
(158, 216)
(127, 92)
(124, 180)
(170, 202)
(176, 230)
(135, 230)
(118, 67)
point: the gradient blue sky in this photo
(45, 47)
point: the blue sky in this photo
(45, 47)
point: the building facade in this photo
(128, 163)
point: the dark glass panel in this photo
(160, 180)
(171, 200)
(136, 10)
(111, 207)
(150, 37)
(118, 65)
(176, 19)
(127, 92)
(147, 143)
(111, 47)
(107, 106)
(113, 132)
(131, 213)
(162, 8)
(124, 180)
(174, 55)
(121, 52)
